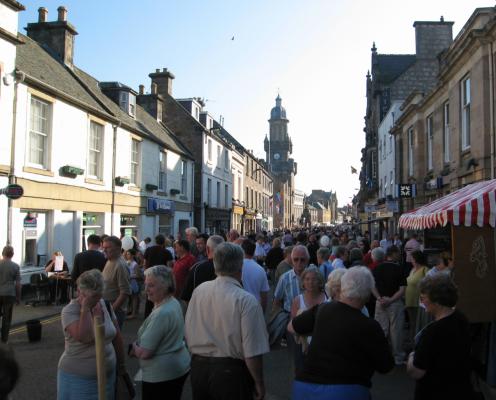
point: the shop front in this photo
(217, 220)
(249, 221)
(237, 218)
(163, 209)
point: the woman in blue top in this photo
(160, 348)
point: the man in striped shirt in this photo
(288, 286)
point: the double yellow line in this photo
(23, 328)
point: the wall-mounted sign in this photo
(30, 221)
(13, 191)
(406, 190)
(370, 208)
(160, 206)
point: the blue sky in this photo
(315, 53)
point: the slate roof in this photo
(36, 61)
(391, 66)
(228, 137)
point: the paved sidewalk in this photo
(23, 313)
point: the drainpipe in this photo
(114, 153)
(19, 78)
(491, 101)
(192, 197)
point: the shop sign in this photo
(370, 208)
(434, 184)
(30, 233)
(30, 221)
(13, 191)
(160, 206)
(258, 216)
(406, 190)
(392, 205)
(238, 210)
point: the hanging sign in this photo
(13, 191)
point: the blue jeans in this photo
(77, 387)
(315, 391)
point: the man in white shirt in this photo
(341, 256)
(226, 345)
(254, 277)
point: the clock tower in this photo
(278, 148)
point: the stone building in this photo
(446, 136)
(298, 206)
(393, 78)
(259, 183)
(278, 148)
(238, 180)
(326, 203)
(194, 127)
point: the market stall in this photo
(468, 216)
(463, 222)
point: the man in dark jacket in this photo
(89, 259)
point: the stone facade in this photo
(434, 154)
(278, 148)
(258, 195)
(393, 78)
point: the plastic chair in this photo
(40, 282)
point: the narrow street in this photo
(38, 362)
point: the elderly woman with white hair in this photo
(76, 377)
(160, 348)
(333, 287)
(346, 348)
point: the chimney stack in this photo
(57, 36)
(432, 37)
(141, 89)
(62, 14)
(153, 88)
(163, 80)
(42, 14)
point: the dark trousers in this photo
(171, 390)
(220, 378)
(6, 307)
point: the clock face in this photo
(276, 156)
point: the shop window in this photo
(129, 225)
(35, 248)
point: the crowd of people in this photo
(341, 305)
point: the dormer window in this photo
(127, 103)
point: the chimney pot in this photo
(141, 89)
(62, 13)
(154, 88)
(164, 69)
(42, 14)
(157, 70)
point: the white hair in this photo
(192, 230)
(357, 283)
(325, 241)
(213, 241)
(378, 254)
(302, 248)
(334, 281)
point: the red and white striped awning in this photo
(474, 204)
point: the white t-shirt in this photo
(254, 278)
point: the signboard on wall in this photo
(160, 206)
(30, 221)
(475, 272)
